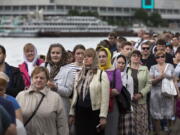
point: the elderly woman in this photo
(31, 60)
(46, 105)
(61, 75)
(90, 100)
(161, 107)
(141, 86)
(114, 76)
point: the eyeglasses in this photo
(145, 48)
(157, 57)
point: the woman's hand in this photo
(51, 85)
(71, 120)
(114, 92)
(102, 122)
(137, 96)
(162, 76)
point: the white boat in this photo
(58, 25)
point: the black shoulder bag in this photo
(29, 119)
(124, 98)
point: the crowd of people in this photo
(77, 92)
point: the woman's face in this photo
(177, 56)
(79, 55)
(102, 57)
(56, 54)
(30, 54)
(135, 58)
(160, 59)
(39, 80)
(168, 50)
(88, 60)
(121, 64)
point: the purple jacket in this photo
(117, 76)
(115, 82)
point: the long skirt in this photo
(140, 115)
(86, 121)
(126, 124)
(112, 121)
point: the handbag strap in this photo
(29, 119)
(127, 76)
(114, 79)
(166, 67)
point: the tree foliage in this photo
(152, 19)
(77, 13)
(155, 19)
(141, 15)
(73, 13)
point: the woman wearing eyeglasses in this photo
(161, 107)
(141, 86)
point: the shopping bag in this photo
(168, 87)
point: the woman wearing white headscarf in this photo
(31, 60)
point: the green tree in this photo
(73, 13)
(77, 13)
(141, 15)
(89, 13)
(155, 19)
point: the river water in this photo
(14, 46)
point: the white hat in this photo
(4, 76)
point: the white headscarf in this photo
(31, 65)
